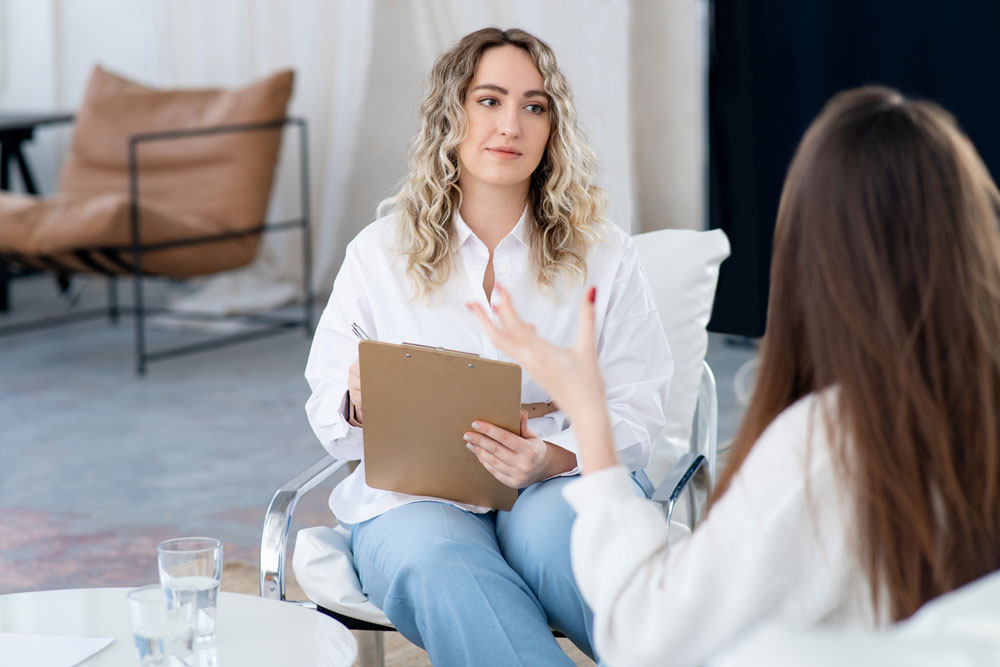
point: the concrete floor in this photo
(99, 465)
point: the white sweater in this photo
(778, 546)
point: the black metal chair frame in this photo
(14, 133)
(265, 325)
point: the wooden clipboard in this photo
(418, 403)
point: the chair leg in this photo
(371, 648)
(307, 295)
(4, 287)
(140, 327)
(112, 300)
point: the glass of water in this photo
(163, 629)
(190, 571)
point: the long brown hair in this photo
(885, 284)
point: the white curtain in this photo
(637, 71)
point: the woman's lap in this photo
(486, 578)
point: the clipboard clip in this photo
(441, 349)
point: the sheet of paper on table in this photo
(22, 650)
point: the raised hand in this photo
(571, 375)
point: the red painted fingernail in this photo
(592, 295)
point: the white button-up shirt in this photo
(373, 290)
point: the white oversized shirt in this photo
(373, 290)
(780, 546)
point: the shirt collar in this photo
(463, 232)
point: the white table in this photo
(249, 630)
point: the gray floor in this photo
(99, 465)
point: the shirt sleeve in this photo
(637, 367)
(763, 551)
(334, 349)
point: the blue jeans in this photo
(478, 589)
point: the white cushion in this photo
(324, 568)
(682, 267)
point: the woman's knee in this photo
(438, 560)
(537, 529)
(421, 546)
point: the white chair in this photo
(682, 268)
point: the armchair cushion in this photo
(188, 186)
(35, 230)
(324, 568)
(682, 267)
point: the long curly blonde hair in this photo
(566, 207)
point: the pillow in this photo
(324, 567)
(225, 178)
(682, 267)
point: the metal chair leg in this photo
(4, 287)
(140, 327)
(307, 295)
(113, 311)
(371, 648)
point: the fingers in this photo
(503, 477)
(492, 455)
(509, 333)
(354, 386)
(480, 315)
(585, 331)
(501, 436)
(505, 311)
(526, 432)
(494, 334)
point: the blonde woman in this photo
(865, 478)
(501, 189)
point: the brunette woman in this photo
(865, 478)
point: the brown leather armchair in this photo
(161, 183)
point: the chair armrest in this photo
(278, 520)
(62, 120)
(705, 426)
(687, 469)
(231, 128)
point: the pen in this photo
(359, 332)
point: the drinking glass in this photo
(163, 629)
(190, 571)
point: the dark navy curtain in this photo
(774, 63)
